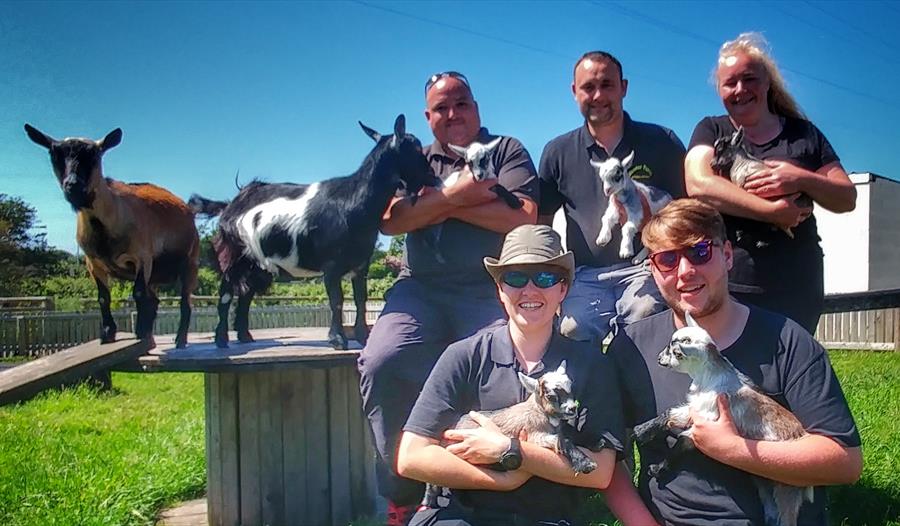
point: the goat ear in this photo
(738, 136)
(370, 132)
(111, 140)
(493, 144)
(691, 322)
(528, 382)
(596, 164)
(458, 149)
(38, 137)
(562, 368)
(626, 162)
(399, 129)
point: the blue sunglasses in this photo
(543, 279)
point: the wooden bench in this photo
(286, 439)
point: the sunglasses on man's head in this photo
(543, 279)
(444, 74)
(699, 254)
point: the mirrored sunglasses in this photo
(542, 280)
(438, 76)
(699, 254)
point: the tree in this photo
(24, 254)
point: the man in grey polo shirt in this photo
(443, 293)
(607, 289)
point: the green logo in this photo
(640, 172)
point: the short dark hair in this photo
(599, 55)
(683, 222)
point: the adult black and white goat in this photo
(620, 188)
(137, 232)
(327, 228)
(756, 416)
(543, 416)
(731, 159)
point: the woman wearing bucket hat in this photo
(480, 373)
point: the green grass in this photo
(80, 457)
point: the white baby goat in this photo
(619, 187)
(756, 416)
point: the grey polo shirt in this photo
(568, 180)
(463, 245)
(480, 373)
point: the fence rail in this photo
(37, 334)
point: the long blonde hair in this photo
(757, 48)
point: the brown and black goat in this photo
(137, 232)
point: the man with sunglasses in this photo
(535, 486)
(443, 293)
(690, 258)
(607, 289)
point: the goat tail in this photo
(206, 207)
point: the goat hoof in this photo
(245, 338)
(222, 343)
(361, 335)
(586, 467)
(338, 342)
(180, 344)
(151, 342)
(108, 338)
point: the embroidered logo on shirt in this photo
(640, 172)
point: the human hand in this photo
(469, 192)
(481, 445)
(715, 437)
(778, 179)
(786, 213)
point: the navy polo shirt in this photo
(463, 245)
(568, 180)
(480, 373)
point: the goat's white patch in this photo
(290, 214)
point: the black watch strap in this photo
(511, 459)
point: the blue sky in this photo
(274, 90)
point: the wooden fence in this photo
(40, 333)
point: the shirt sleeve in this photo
(515, 170)
(638, 402)
(446, 395)
(675, 166)
(601, 423)
(705, 133)
(812, 390)
(826, 152)
(551, 198)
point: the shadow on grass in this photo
(863, 505)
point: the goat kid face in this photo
(689, 350)
(76, 163)
(478, 157)
(725, 149)
(613, 172)
(553, 393)
(411, 169)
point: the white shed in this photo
(862, 247)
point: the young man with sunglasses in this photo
(690, 258)
(608, 289)
(480, 373)
(443, 293)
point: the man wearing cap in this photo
(480, 373)
(607, 288)
(443, 293)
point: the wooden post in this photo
(897, 329)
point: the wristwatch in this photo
(511, 459)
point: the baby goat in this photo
(756, 416)
(133, 231)
(731, 158)
(619, 187)
(543, 415)
(478, 158)
(328, 228)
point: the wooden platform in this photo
(28, 379)
(273, 348)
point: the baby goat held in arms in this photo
(543, 416)
(137, 232)
(326, 228)
(619, 187)
(756, 416)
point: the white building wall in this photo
(845, 241)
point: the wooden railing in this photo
(861, 320)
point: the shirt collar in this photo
(437, 149)
(503, 353)
(586, 140)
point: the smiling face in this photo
(699, 289)
(743, 86)
(452, 113)
(530, 308)
(599, 90)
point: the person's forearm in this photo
(830, 188)
(403, 216)
(434, 464)
(813, 460)
(497, 216)
(623, 500)
(548, 464)
(722, 194)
